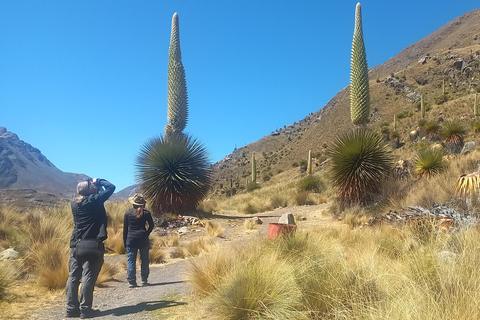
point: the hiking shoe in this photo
(132, 285)
(72, 313)
(144, 283)
(89, 313)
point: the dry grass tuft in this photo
(198, 246)
(114, 242)
(250, 224)
(107, 273)
(177, 252)
(214, 229)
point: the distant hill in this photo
(25, 167)
(449, 57)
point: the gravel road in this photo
(167, 281)
(117, 301)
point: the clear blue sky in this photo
(85, 81)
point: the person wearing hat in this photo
(135, 239)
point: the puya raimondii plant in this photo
(174, 173)
(359, 87)
(360, 161)
(177, 99)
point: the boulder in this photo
(287, 218)
(9, 254)
(468, 147)
(256, 220)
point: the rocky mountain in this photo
(25, 167)
(444, 67)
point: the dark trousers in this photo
(87, 271)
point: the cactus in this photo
(177, 100)
(394, 122)
(475, 107)
(422, 106)
(309, 162)
(254, 168)
(359, 87)
(443, 86)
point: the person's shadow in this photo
(142, 306)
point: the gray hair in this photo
(83, 188)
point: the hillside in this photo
(450, 54)
(25, 167)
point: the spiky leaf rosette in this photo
(359, 88)
(453, 133)
(177, 99)
(360, 160)
(429, 162)
(174, 174)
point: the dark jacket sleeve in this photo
(125, 228)
(148, 215)
(105, 192)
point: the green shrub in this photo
(441, 99)
(475, 125)
(310, 183)
(429, 162)
(252, 186)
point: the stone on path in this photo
(287, 218)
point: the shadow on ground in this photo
(143, 306)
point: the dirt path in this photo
(168, 282)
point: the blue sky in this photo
(85, 81)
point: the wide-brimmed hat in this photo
(137, 199)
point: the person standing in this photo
(135, 239)
(86, 245)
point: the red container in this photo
(277, 229)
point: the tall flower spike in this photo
(177, 100)
(359, 87)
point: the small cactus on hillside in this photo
(359, 87)
(254, 168)
(422, 106)
(177, 100)
(475, 107)
(309, 162)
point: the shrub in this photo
(429, 162)
(453, 133)
(302, 198)
(310, 183)
(360, 160)
(173, 173)
(278, 201)
(214, 229)
(432, 129)
(252, 186)
(441, 99)
(475, 126)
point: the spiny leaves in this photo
(359, 87)
(360, 160)
(429, 162)
(173, 173)
(177, 99)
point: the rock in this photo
(9, 254)
(182, 230)
(256, 220)
(414, 97)
(468, 147)
(287, 218)
(421, 80)
(447, 257)
(458, 64)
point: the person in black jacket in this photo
(135, 238)
(90, 227)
